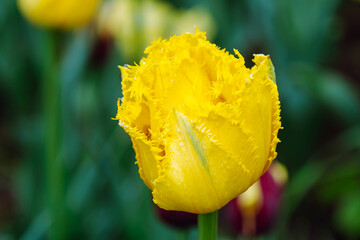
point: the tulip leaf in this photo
(38, 228)
(331, 90)
(348, 213)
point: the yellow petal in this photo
(146, 159)
(196, 170)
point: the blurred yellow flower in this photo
(135, 24)
(62, 14)
(204, 127)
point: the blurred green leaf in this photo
(330, 89)
(38, 229)
(347, 216)
(318, 167)
(342, 179)
(81, 186)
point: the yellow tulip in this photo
(62, 14)
(204, 127)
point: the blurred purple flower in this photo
(254, 212)
(177, 219)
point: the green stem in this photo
(207, 226)
(54, 164)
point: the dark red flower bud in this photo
(101, 51)
(177, 219)
(255, 211)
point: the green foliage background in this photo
(93, 191)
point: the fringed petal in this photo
(204, 127)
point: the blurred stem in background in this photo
(54, 164)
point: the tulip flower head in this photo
(204, 127)
(62, 14)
